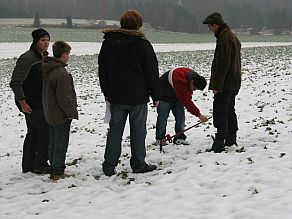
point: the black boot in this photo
(231, 140)
(218, 146)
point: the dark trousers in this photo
(137, 119)
(35, 146)
(224, 116)
(59, 140)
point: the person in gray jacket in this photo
(60, 106)
(26, 84)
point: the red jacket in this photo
(178, 79)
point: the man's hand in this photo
(155, 103)
(203, 118)
(25, 107)
(215, 91)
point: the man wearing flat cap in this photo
(26, 84)
(225, 82)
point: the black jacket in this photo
(26, 81)
(128, 68)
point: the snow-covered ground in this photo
(11, 50)
(252, 180)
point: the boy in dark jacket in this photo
(128, 75)
(60, 106)
(26, 84)
(225, 82)
(177, 86)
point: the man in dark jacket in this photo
(225, 82)
(128, 74)
(26, 84)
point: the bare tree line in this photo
(173, 15)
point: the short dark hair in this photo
(200, 82)
(131, 19)
(59, 47)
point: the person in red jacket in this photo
(177, 86)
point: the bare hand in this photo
(25, 107)
(155, 103)
(215, 91)
(203, 118)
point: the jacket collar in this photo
(125, 31)
(221, 28)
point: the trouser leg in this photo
(179, 115)
(117, 123)
(137, 119)
(163, 110)
(60, 145)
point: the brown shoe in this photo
(63, 176)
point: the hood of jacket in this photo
(121, 39)
(50, 64)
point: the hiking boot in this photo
(161, 142)
(108, 171)
(62, 176)
(230, 140)
(43, 170)
(180, 141)
(145, 169)
(217, 147)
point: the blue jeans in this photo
(59, 140)
(163, 110)
(137, 119)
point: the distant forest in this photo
(172, 15)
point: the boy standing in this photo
(60, 106)
(177, 86)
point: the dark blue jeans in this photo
(59, 140)
(163, 110)
(35, 146)
(137, 119)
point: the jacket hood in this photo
(49, 64)
(121, 39)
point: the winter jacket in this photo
(176, 88)
(128, 68)
(226, 65)
(59, 97)
(26, 81)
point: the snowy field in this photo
(252, 180)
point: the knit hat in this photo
(214, 18)
(199, 81)
(38, 33)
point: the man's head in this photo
(198, 82)
(131, 20)
(61, 50)
(41, 39)
(214, 21)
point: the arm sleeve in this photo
(64, 89)
(102, 74)
(19, 74)
(150, 68)
(185, 97)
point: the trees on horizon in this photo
(172, 15)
